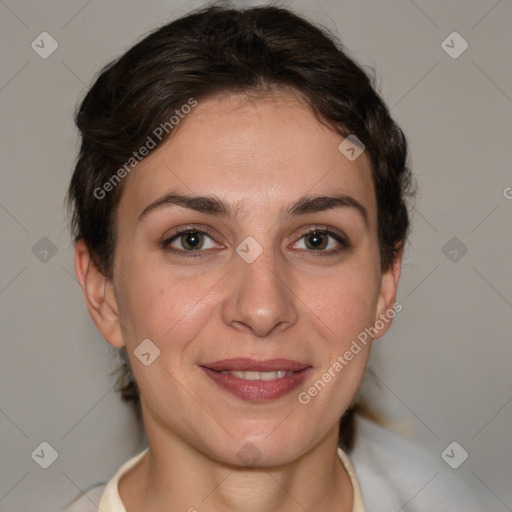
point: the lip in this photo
(257, 390)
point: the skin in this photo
(259, 155)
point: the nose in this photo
(260, 296)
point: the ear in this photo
(99, 296)
(386, 302)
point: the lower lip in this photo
(257, 390)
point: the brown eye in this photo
(320, 241)
(192, 240)
(316, 240)
(187, 241)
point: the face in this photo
(260, 283)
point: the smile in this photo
(257, 381)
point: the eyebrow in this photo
(213, 205)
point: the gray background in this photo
(441, 374)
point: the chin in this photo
(260, 450)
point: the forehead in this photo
(250, 150)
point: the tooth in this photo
(251, 375)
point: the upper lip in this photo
(254, 365)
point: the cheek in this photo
(346, 301)
(344, 307)
(161, 306)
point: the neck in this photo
(174, 476)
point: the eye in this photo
(191, 240)
(317, 240)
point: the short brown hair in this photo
(220, 49)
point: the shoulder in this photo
(394, 471)
(104, 494)
(88, 501)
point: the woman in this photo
(239, 212)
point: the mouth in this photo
(257, 381)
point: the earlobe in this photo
(99, 295)
(387, 297)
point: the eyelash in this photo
(324, 230)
